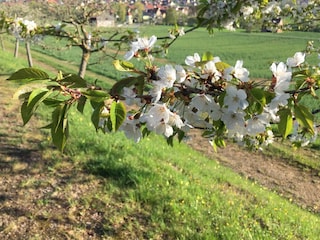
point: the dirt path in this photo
(293, 182)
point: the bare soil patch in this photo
(40, 197)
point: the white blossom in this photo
(240, 72)
(30, 25)
(158, 120)
(167, 75)
(156, 91)
(234, 121)
(163, 128)
(181, 74)
(235, 98)
(192, 60)
(257, 124)
(201, 102)
(296, 60)
(141, 44)
(246, 10)
(229, 25)
(175, 120)
(227, 73)
(210, 70)
(283, 77)
(131, 128)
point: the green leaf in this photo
(259, 99)
(30, 106)
(29, 74)
(286, 122)
(304, 117)
(123, 66)
(170, 140)
(60, 126)
(222, 66)
(81, 103)
(207, 56)
(181, 135)
(128, 82)
(53, 102)
(95, 116)
(117, 115)
(29, 87)
(95, 95)
(74, 81)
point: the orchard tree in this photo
(206, 93)
(171, 16)
(22, 29)
(138, 11)
(77, 30)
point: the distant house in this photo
(103, 20)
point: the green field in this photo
(152, 191)
(257, 50)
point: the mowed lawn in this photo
(147, 190)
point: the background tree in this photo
(171, 16)
(138, 11)
(121, 10)
(77, 30)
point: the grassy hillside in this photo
(107, 187)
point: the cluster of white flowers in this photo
(203, 108)
(30, 25)
(142, 44)
(22, 27)
(208, 93)
(226, 13)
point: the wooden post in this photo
(29, 54)
(16, 48)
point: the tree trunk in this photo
(29, 54)
(16, 48)
(2, 44)
(84, 62)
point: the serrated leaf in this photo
(72, 80)
(95, 116)
(286, 122)
(304, 117)
(95, 95)
(29, 74)
(29, 87)
(35, 93)
(117, 115)
(207, 56)
(128, 82)
(81, 103)
(170, 140)
(29, 107)
(123, 66)
(52, 102)
(259, 99)
(221, 66)
(181, 135)
(60, 126)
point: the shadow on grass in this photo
(121, 173)
(109, 159)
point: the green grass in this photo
(177, 193)
(257, 50)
